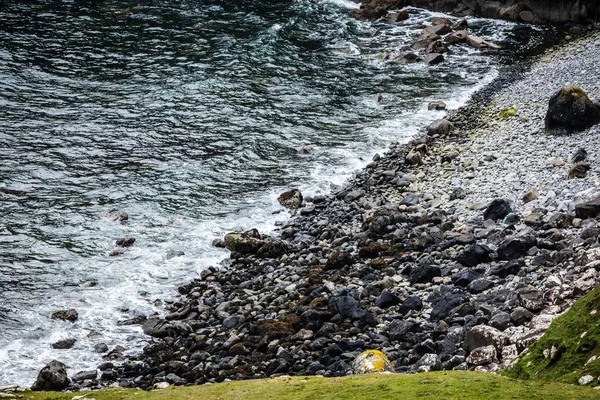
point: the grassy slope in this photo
(434, 385)
(565, 334)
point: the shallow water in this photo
(188, 115)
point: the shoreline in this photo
(275, 319)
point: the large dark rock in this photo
(398, 329)
(411, 303)
(514, 247)
(53, 377)
(66, 315)
(570, 110)
(161, 328)
(387, 299)
(272, 248)
(243, 242)
(588, 209)
(424, 273)
(291, 199)
(498, 209)
(346, 306)
(474, 255)
(510, 268)
(444, 301)
(463, 278)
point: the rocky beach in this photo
(455, 251)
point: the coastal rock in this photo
(483, 355)
(440, 127)
(436, 105)
(514, 247)
(272, 248)
(498, 209)
(429, 362)
(387, 299)
(117, 215)
(478, 43)
(161, 328)
(243, 242)
(433, 58)
(436, 47)
(64, 344)
(70, 315)
(483, 335)
(398, 16)
(570, 110)
(424, 273)
(588, 209)
(371, 361)
(83, 375)
(532, 194)
(457, 37)
(579, 170)
(291, 199)
(53, 377)
(474, 255)
(579, 156)
(125, 242)
(425, 39)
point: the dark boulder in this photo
(346, 306)
(398, 329)
(53, 377)
(444, 301)
(161, 328)
(440, 127)
(474, 255)
(479, 285)
(83, 375)
(515, 247)
(411, 303)
(588, 209)
(125, 242)
(66, 315)
(272, 248)
(243, 242)
(464, 278)
(339, 259)
(424, 273)
(387, 299)
(570, 110)
(510, 268)
(291, 199)
(498, 209)
(64, 344)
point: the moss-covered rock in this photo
(571, 110)
(371, 361)
(569, 349)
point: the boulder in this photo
(478, 43)
(438, 29)
(474, 255)
(411, 303)
(429, 362)
(483, 335)
(483, 355)
(457, 37)
(160, 328)
(433, 58)
(371, 361)
(510, 268)
(398, 16)
(436, 47)
(66, 315)
(346, 306)
(588, 209)
(436, 105)
(424, 273)
(83, 375)
(243, 242)
(425, 39)
(53, 377)
(64, 344)
(398, 329)
(387, 299)
(117, 215)
(125, 242)
(570, 110)
(272, 248)
(498, 209)
(440, 127)
(292, 199)
(464, 278)
(515, 247)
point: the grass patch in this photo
(433, 385)
(575, 338)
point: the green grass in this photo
(433, 385)
(565, 334)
